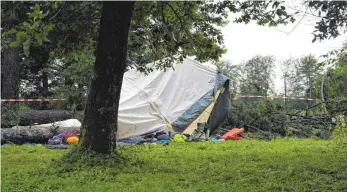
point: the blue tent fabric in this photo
(182, 122)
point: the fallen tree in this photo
(21, 134)
(32, 117)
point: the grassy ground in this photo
(279, 165)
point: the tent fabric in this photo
(203, 117)
(221, 109)
(176, 96)
(198, 107)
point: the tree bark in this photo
(35, 135)
(10, 58)
(99, 125)
(31, 117)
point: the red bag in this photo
(233, 134)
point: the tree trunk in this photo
(99, 125)
(10, 76)
(31, 117)
(10, 86)
(35, 134)
(285, 91)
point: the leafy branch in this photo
(32, 33)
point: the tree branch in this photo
(299, 21)
(57, 12)
(180, 20)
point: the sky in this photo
(245, 41)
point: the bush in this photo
(340, 133)
(270, 119)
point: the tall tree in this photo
(308, 69)
(229, 70)
(292, 78)
(197, 34)
(11, 15)
(258, 75)
(45, 42)
(100, 119)
(334, 90)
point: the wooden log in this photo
(31, 117)
(21, 134)
(265, 133)
(297, 131)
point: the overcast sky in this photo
(245, 41)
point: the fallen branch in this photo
(19, 135)
(31, 117)
(266, 133)
(298, 131)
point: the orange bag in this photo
(233, 134)
(72, 140)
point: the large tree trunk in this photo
(10, 60)
(10, 86)
(31, 117)
(100, 120)
(19, 135)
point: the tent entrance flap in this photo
(200, 111)
(204, 116)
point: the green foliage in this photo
(255, 77)
(9, 115)
(76, 75)
(308, 70)
(269, 119)
(300, 76)
(264, 12)
(31, 33)
(334, 85)
(278, 165)
(333, 16)
(229, 70)
(170, 31)
(340, 133)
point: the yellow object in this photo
(72, 140)
(179, 138)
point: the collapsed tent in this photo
(177, 99)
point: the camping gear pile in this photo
(63, 140)
(199, 135)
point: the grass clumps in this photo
(247, 165)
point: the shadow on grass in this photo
(76, 159)
(58, 170)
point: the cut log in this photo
(31, 117)
(298, 132)
(265, 133)
(19, 135)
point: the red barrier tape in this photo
(32, 100)
(292, 98)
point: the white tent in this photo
(174, 98)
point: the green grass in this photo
(247, 165)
